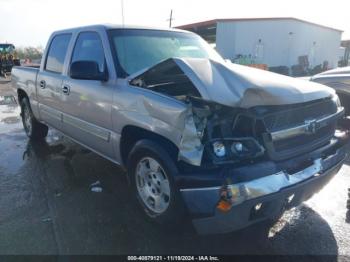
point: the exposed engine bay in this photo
(216, 133)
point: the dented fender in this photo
(141, 108)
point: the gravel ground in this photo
(47, 207)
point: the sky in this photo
(30, 22)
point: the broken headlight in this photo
(230, 149)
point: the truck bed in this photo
(24, 78)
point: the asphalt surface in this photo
(47, 207)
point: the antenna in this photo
(122, 6)
(170, 18)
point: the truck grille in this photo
(285, 119)
(296, 116)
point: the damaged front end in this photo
(265, 118)
(218, 133)
(250, 144)
(212, 133)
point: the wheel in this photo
(151, 171)
(34, 129)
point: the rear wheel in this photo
(33, 128)
(151, 171)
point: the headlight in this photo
(246, 148)
(237, 147)
(232, 149)
(219, 149)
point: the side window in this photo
(57, 53)
(89, 48)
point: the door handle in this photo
(42, 84)
(66, 90)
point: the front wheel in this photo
(151, 171)
(33, 128)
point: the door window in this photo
(89, 48)
(57, 53)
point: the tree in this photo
(29, 52)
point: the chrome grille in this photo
(304, 142)
(296, 116)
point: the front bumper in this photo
(273, 194)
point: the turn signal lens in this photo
(225, 201)
(224, 206)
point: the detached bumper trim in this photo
(242, 192)
(271, 206)
(273, 183)
(274, 193)
(265, 185)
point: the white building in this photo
(272, 41)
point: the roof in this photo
(117, 26)
(213, 22)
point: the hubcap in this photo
(27, 120)
(152, 185)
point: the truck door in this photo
(50, 79)
(87, 104)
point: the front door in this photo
(87, 104)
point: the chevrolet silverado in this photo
(200, 137)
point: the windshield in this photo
(137, 49)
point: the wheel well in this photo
(21, 94)
(131, 134)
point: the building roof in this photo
(213, 22)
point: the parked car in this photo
(339, 79)
(225, 144)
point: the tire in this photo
(33, 128)
(154, 185)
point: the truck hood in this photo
(241, 86)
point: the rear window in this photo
(57, 53)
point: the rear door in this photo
(49, 81)
(87, 104)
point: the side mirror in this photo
(87, 70)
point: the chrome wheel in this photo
(27, 120)
(152, 185)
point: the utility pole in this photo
(122, 6)
(171, 18)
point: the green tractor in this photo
(8, 59)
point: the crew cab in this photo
(224, 144)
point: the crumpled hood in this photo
(242, 86)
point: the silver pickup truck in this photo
(223, 144)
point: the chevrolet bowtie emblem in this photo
(311, 126)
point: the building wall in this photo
(327, 42)
(283, 41)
